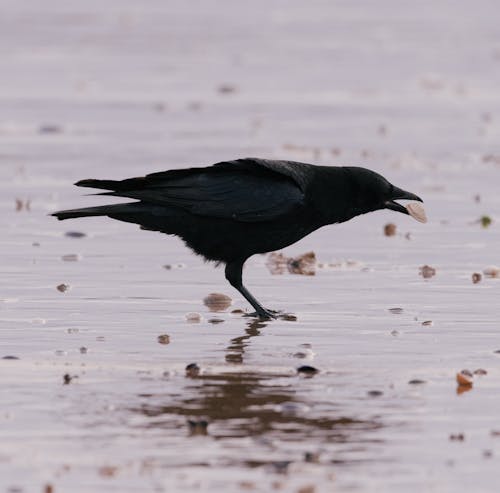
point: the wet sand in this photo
(93, 400)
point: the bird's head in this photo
(373, 192)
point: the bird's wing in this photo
(235, 190)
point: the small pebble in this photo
(416, 381)
(427, 323)
(288, 317)
(476, 277)
(307, 370)
(312, 457)
(237, 311)
(67, 378)
(164, 339)
(390, 229)
(192, 370)
(226, 89)
(426, 271)
(10, 357)
(457, 437)
(480, 371)
(72, 257)
(485, 221)
(75, 234)
(62, 288)
(375, 393)
(83, 350)
(396, 311)
(198, 427)
(215, 321)
(49, 128)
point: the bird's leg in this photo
(234, 276)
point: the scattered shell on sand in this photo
(416, 210)
(193, 317)
(217, 302)
(164, 339)
(491, 271)
(62, 288)
(390, 229)
(426, 271)
(465, 378)
(476, 277)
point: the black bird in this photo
(232, 210)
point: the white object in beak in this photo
(416, 210)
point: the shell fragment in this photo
(416, 210)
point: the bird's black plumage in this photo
(234, 209)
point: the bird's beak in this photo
(399, 194)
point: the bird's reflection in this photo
(236, 349)
(251, 403)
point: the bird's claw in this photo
(264, 314)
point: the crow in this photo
(232, 210)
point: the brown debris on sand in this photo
(426, 271)
(304, 264)
(390, 229)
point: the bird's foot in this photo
(264, 314)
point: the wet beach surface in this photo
(93, 385)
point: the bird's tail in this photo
(103, 210)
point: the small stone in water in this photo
(198, 427)
(390, 229)
(192, 370)
(457, 437)
(476, 277)
(375, 393)
(307, 370)
(416, 381)
(67, 378)
(426, 271)
(72, 257)
(10, 357)
(75, 234)
(427, 323)
(62, 288)
(396, 311)
(164, 339)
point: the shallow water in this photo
(116, 89)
